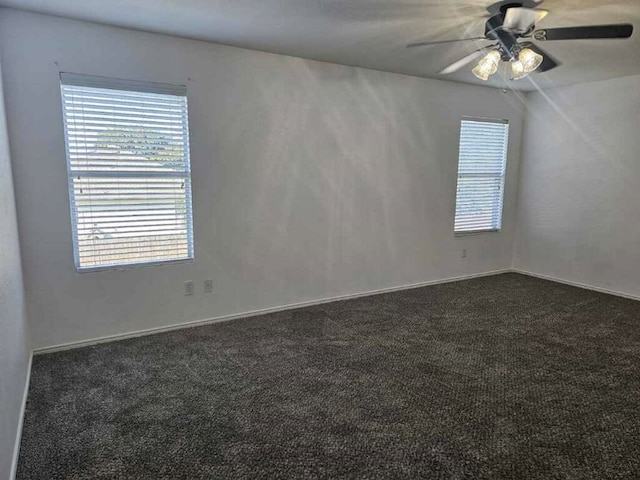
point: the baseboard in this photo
(253, 313)
(16, 448)
(577, 284)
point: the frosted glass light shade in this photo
(517, 70)
(527, 62)
(487, 66)
(530, 59)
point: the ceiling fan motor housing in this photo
(496, 21)
(507, 40)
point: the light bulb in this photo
(487, 66)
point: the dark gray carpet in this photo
(504, 377)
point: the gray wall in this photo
(14, 344)
(579, 207)
(310, 180)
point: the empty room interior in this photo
(320, 239)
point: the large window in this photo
(481, 167)
(129, 174)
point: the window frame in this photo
(482, 231)
(124, 85)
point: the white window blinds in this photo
(129, 175)
(481, 168)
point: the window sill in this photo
(131, 266)
(475, 232)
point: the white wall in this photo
(14, 343)
(579, 215)
(311, 180)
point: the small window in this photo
(481, 167)
(128, 168)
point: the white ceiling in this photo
(371, 33)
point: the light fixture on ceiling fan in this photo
(511, 21)
(523, 61)
(526, 62)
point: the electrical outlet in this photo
(208, 286)
(464, 253)
(188, 287)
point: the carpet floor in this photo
(502, 377)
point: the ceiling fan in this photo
(512, 26)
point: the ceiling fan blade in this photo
(520, 19)
(623, 30)
(457, 65)
(438, 42)
(548, 62)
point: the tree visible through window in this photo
(129, 173)
(481, 168)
